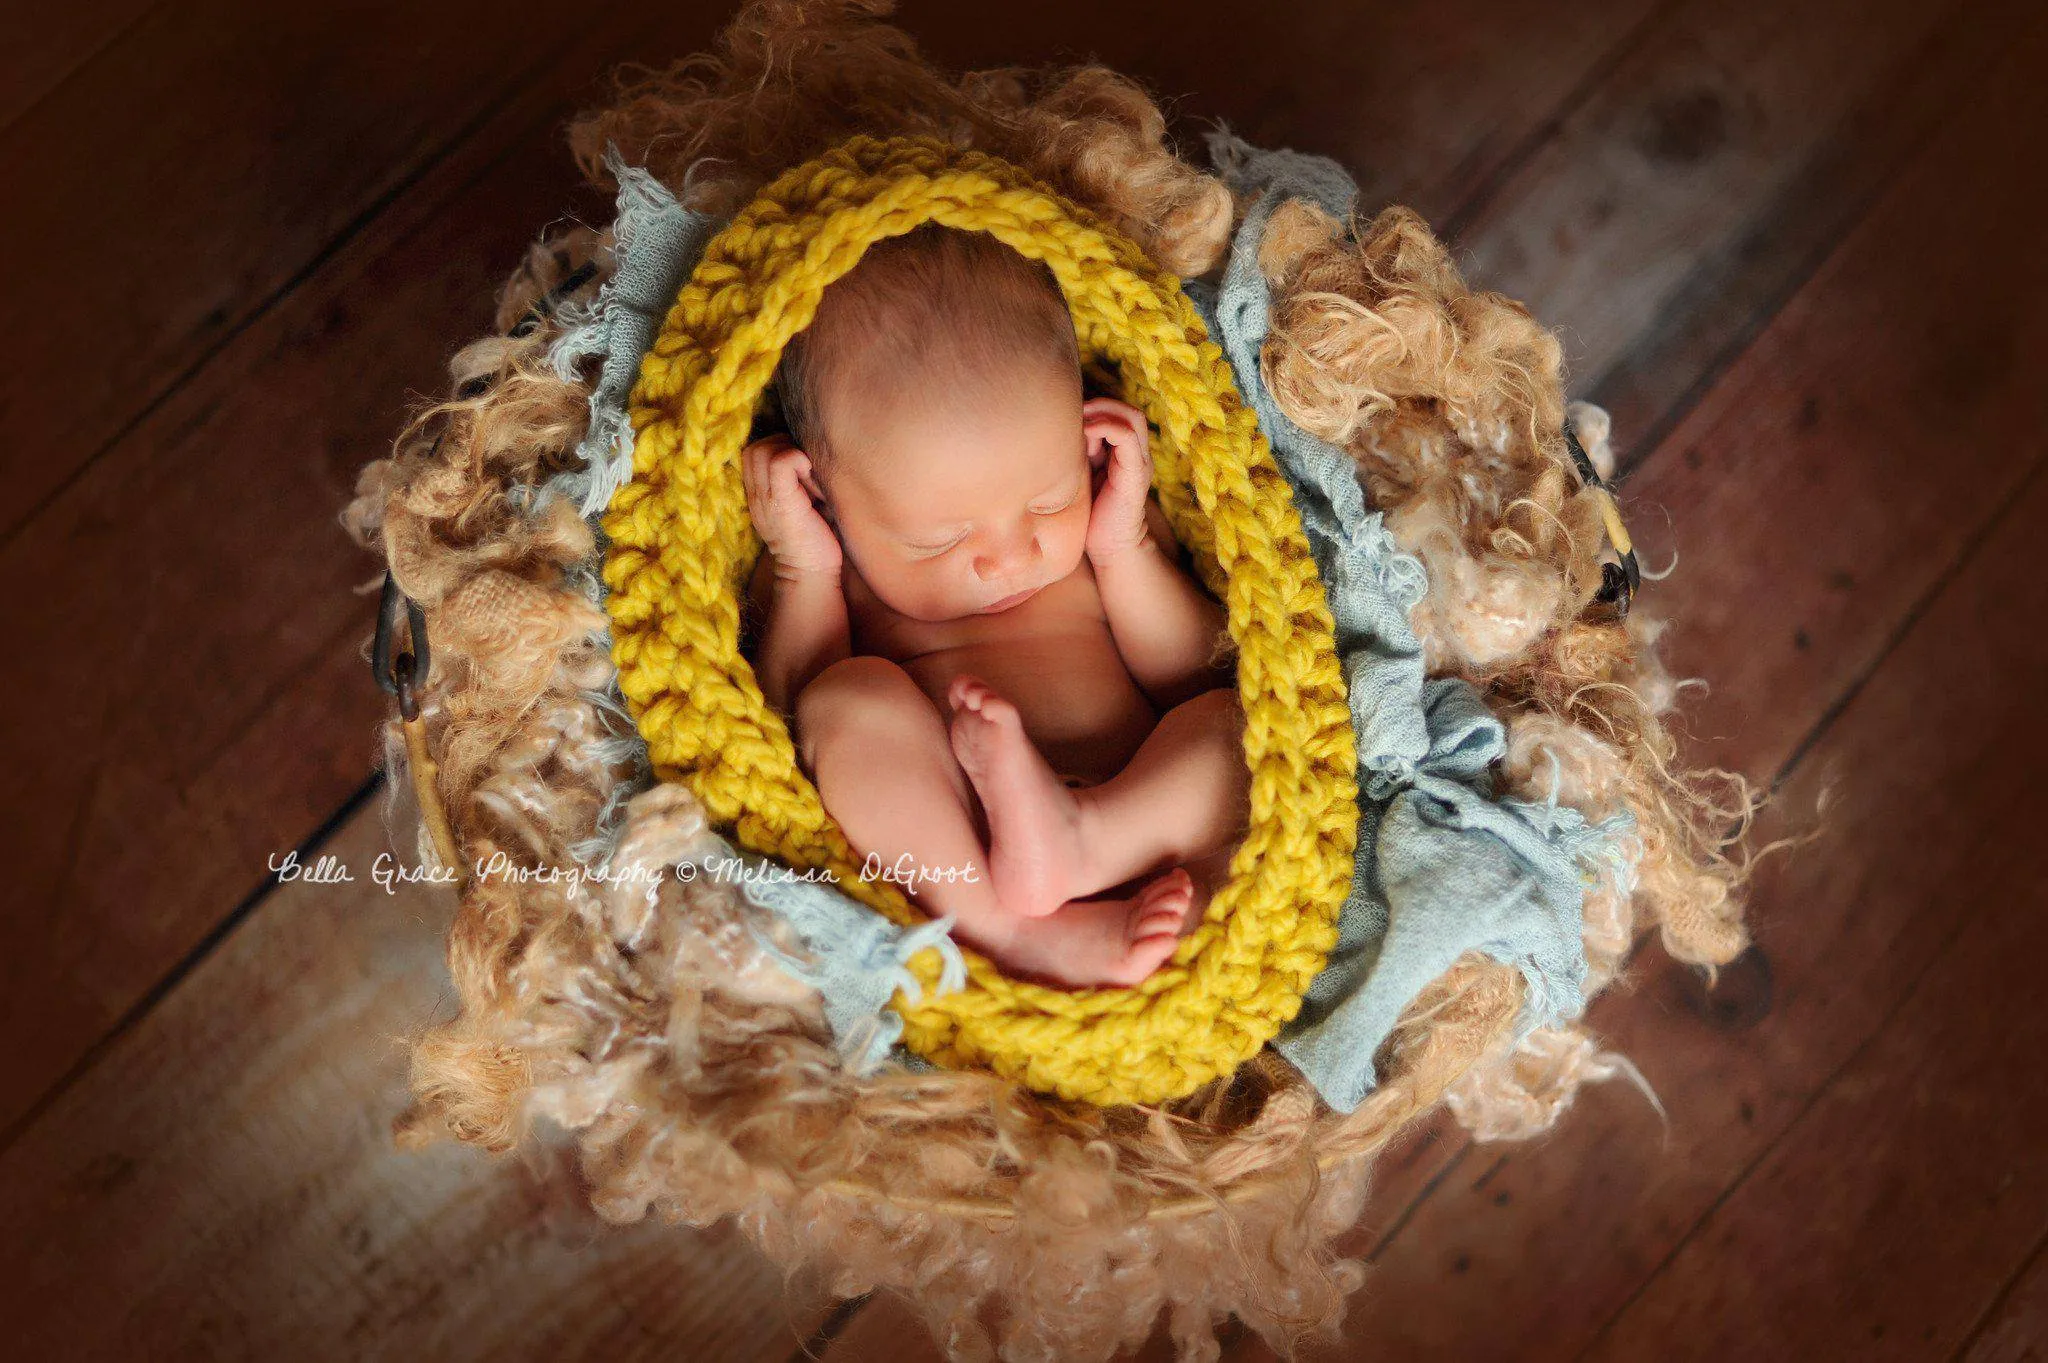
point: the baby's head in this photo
(937, 393)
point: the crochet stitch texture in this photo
(683, 546)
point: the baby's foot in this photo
(1033, 822)
(1110, 941)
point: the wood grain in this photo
(888, 1329)
(1696, 134)
(1888, 1215)
(197, 166)
(202, 696)
(1772, 527)
(1424, 104)
(40, 55)
(212, 704)
(1860, 445)
(2015, 1330)
(223, 1184)
(295, 126)
(1729, 285)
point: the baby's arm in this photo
(1165, 625)
(805, 629)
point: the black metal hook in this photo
(403, 675)
(1619, 582)
(549, 301)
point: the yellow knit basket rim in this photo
(682, 548)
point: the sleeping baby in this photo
(999, 674)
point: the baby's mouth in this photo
(1015, 599)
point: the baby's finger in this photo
(1136, 451)
(783, 474)
(760, 459)
(1126, 449)
(1099, 448)
(757, 504)
(1120, 416)
(768, 517)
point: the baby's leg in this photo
(1184, 793)
(878, 752)
(884, 766)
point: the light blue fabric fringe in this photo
(656, 242)
(1442, 866)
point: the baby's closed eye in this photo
(934, 550)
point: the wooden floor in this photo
(1796, 249)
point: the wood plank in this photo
(1876, 413)
(224, 1184)
(1424, 103)
(2016, 1328)
(1785, 488)
(1698, 135)
(1890, 1214)
(198, 165)
(885, 1330)
(1732, 285)
(213, 703)
(41, 53)
(888, 1330)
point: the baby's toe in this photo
(969, 692)
(1164, 922)
(1175, 887)
(1162, 907)
(1001, 712)
(1145, 956)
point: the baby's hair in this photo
(957, 312)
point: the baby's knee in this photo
(862, 695)
(860, 685)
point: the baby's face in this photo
(949, 510)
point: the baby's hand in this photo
(783, 513)
(1119, 448)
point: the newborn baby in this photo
(1000, 677)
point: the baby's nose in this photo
(1000, 561)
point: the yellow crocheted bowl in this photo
(683, 548)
